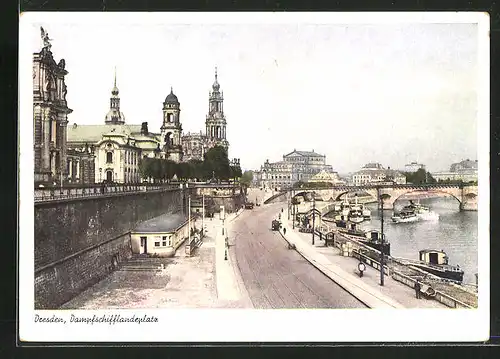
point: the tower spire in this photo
(115, 76)
(215, 73)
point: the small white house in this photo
(161, 235)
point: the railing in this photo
(381, 186)
(54, 194)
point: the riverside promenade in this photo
(203, 280)
(343, 271)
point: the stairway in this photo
(144, 263)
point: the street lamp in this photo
(381, 197)
(314, 217)
(361, 267)
(100, 174)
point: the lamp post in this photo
(100, 174)
(382, 238)
(314, 217)
(203, 213)
(189, 218)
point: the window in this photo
(164, 244)
(109, 157)
(169, 241)
(157, 244)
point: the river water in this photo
(455, 232)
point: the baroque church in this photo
(84, 154)
(196, 144)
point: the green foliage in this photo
(217, 161)
(419, 177)
(247, 178)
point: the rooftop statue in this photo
(45, 38)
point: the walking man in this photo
(284, 231)
(417, 289)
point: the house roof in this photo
(323, 175)
(93, 133)
(162, 224)
(304, 154)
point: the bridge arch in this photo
(410, 191)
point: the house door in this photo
(109, 176)
(144, 245)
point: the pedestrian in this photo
(417, 289)
(284, 231)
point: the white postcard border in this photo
(199, 325)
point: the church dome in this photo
(216, 86)
(115, 116)
(171, 98)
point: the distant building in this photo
(295, 166)
(465, 171)
(197, 144)
(118, 147)
(414, 167)
(373, 173)
(326, 177)
(465, 165)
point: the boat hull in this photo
(404, 220)
(456, 276)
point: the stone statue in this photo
(64, 91)
(45, 38)
(62, 64)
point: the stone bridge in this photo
(466, 195)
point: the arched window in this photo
(109, 157)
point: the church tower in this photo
(171, 129)
(114, 116)
(216, 121)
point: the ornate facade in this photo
(118, 147)
(372, 173)
(171, 129)
(296, 166)
(195, 145)
(50, 119)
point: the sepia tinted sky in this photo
(388, 93)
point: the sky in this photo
(357, 93)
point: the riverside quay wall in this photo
(80, 241)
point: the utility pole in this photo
(189, 218)
(381, 240)
(314, 218)
(203, 214)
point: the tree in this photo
(246, 178)
(217, 162)
(195, 168)
(146, 167)
(235, 172)
(419, 177)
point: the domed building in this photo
(118, 147)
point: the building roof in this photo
(162, 224)
(304, 153)
(171, 98)
(324, 176)
(373, 165)
(93, 133)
